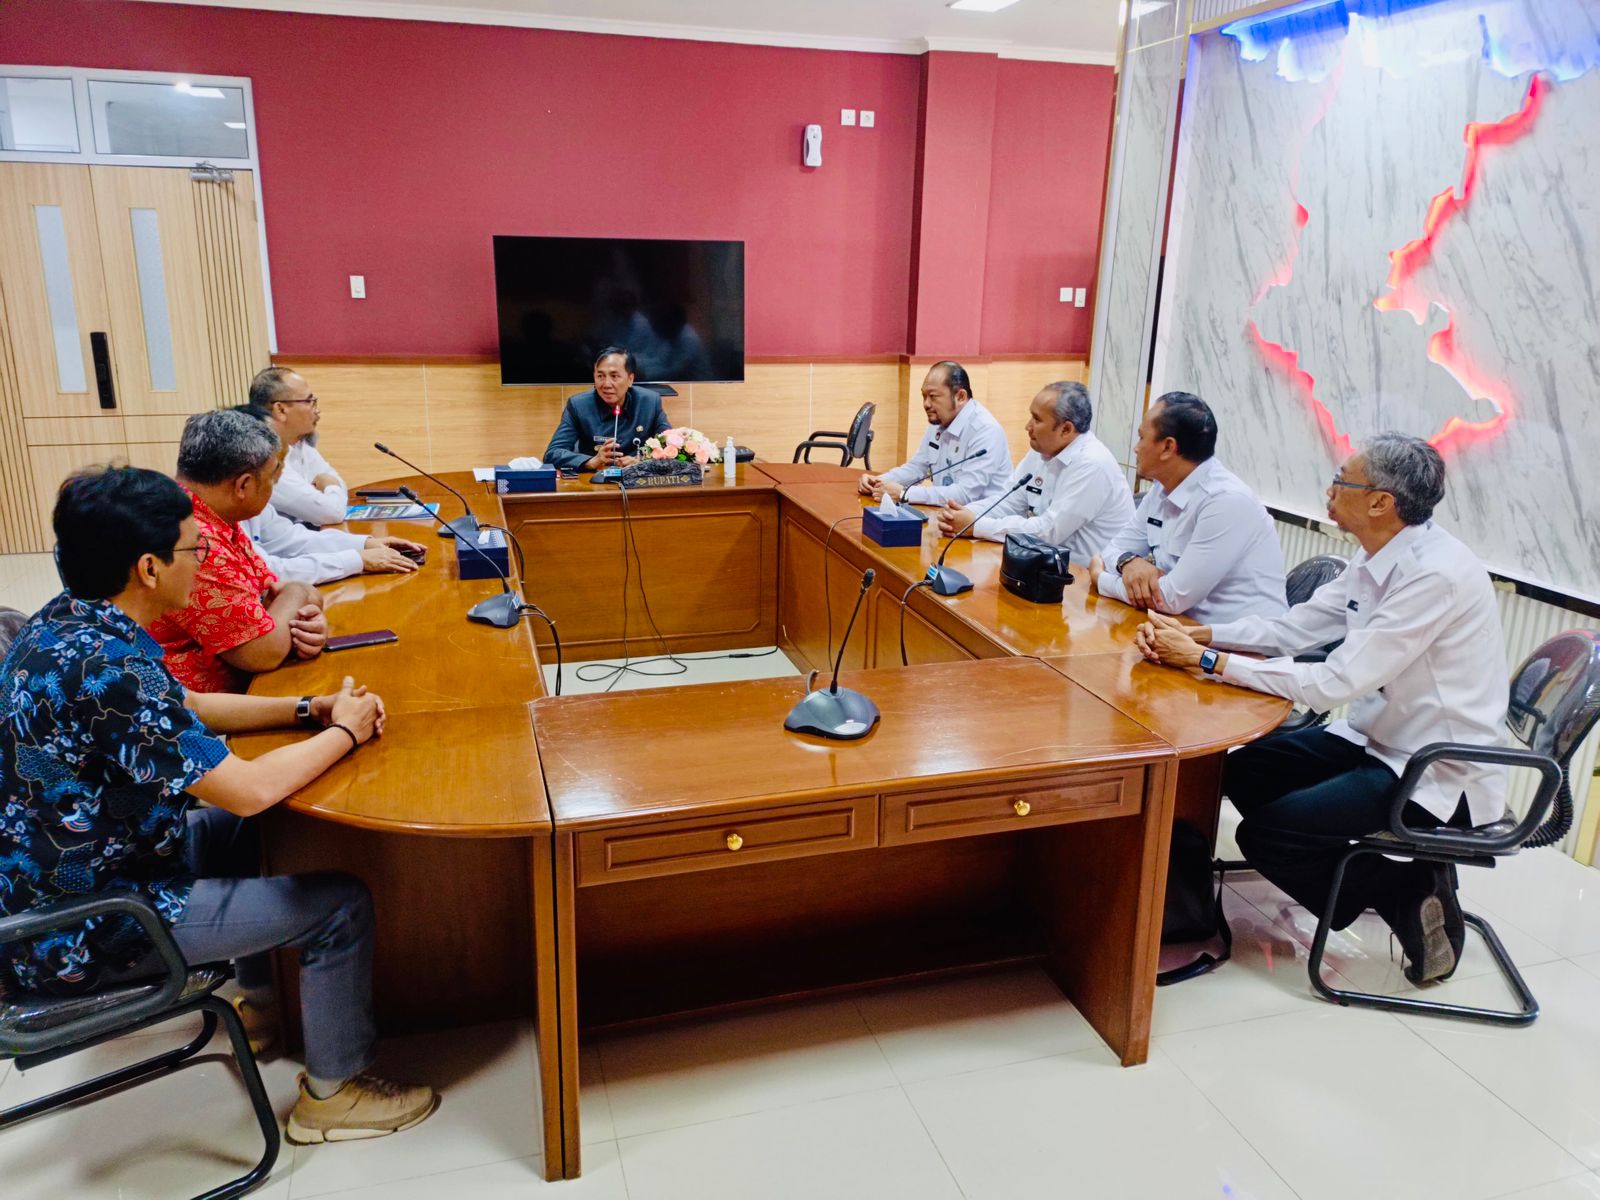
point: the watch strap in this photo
(302, 712)
(1208, 661)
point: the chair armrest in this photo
(70, 913)
(808, 446)
(830, 433)
(1463, 840)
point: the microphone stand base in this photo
(843, 715)
(947, 581)
(461, 527)
(503, 611)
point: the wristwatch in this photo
(1208, 661)
(1124, 559)
(302, 713)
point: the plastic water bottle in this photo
(730, 462)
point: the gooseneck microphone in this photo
(842, 714)
(503, 611)
(947, 581)
(461, 526)
(905, 508)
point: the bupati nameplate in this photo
(661, 474)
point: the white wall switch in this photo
(847, 116)
(358, 287)
(1082, 297)
(868, 118)
(1066, 295)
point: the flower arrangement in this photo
(683, 444)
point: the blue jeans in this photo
(235, 914)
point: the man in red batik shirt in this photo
(240, 620)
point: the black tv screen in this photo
(679, 306)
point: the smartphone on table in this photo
(352, 641)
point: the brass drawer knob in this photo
(734, 841)
(1023, 808)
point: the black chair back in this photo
(1303, 581)
(860, 436)
(1555, 697)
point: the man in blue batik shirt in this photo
(102, 752)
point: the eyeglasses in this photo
(201, 549)
(1339, 481)
(311, 400)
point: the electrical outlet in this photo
(868, 118)
(1066, 295)
(358, 287)
(1082, 297)
(847, 116)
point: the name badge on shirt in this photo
(1156, 521)
(1035, 488)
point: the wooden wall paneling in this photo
(770, 411)
(807, 593)
(475, 422)
(363, 403)
(118, 191)
(52, 464)
(106, 429)
(253, 291)
(1013, 383)
(839, 389)
(154, 456)
(22, 187)
(19, 531)
(235, 298)
(924, 643)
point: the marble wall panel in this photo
(1332, 271)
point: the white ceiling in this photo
(1070, 30)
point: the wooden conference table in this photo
(602, 860)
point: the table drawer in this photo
(969, 811)
(672, 847)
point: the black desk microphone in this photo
(835, 712)
(947, 581)
(503, 611)
(461, 526)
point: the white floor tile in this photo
(489, 1113)
(750, 1062)
(175, 1136)
(1543, 892)
(871, 1146)
(761, 662)
(973, 1022)
(1590, 963)
(1081, 1125)
(1349, 1102)
(1265, 976)
(594, 1105)
(1580, 1187)
(509, 1180)
(1550, 1071)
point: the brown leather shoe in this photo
(365, 1107)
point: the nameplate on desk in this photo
(653, 473)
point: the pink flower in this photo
(675, 439)
(702, 456)
(662, 453)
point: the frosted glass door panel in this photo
(153, 300)
(56, 263)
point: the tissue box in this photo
(473, 566)
(891, 530)
(507, 481)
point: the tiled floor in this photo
(983, 1087)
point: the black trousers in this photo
(1303, 796)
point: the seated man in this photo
(310, 490)
(961, 428)
(101, 757)
(242, 620)
(599, 428)
(1078, 498)
(1422, 661)
(293, 552)
(1200, 541)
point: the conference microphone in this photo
(835, 712)
(906, 510)
(461, 526)
(947, 581)
(503, 611)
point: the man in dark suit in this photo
(599, 427)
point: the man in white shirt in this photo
(322, 555)
(309, 490)
(1078, 498)
(1422, 661)
(1200, 542)
(965, 457)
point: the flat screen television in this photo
(678, 305)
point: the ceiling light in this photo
(234, 124)
(208, 93)
(981, 5)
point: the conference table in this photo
(597, 862)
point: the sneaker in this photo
(1431, 930)
(260, 1027)
(365, 1107)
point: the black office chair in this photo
(851, 445)
(1299, 586)
(35, 1030)
(1555, 702)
